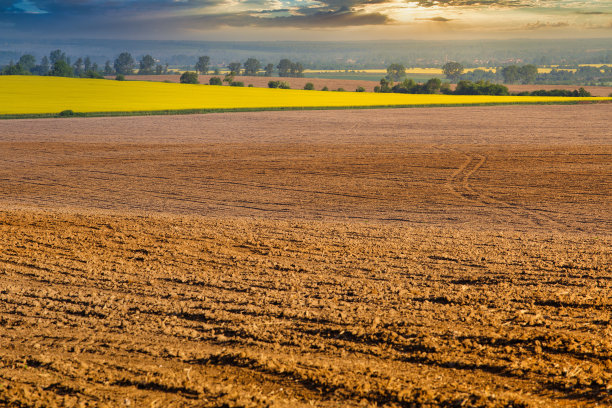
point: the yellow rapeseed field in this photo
(43, 95)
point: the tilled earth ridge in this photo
(162, 311)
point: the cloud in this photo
(538, 25)
(304, 18)
(102, 7)
(180, 18)
(592, 13)
(25, 7)
(438, 19)
(599, 26)
(476, 3)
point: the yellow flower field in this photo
(49, 95)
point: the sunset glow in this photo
(307, 19)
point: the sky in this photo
(305, 20)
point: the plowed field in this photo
(454, 257)
(262, 82)
(350, 84)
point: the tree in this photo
(87, 64)
(269, 70)
(146, 65)
(274, 84)
(234, 68)
(78, 67)
(92, 74)
(452, 70)
(61, 69)
(480, 88)
(27, 62)
(385, 86)
(528, 74)
(215, 81)
(14, 69)
(251, 66)
(586, 73)
(189, 77)
(284, 67)
(57, 55)
(583, 93)
(360, 89)
(511, 74)
(309, 86)
(297, 70)
(43, 67)
(108, 69)
(202, 65)
(432, 86)
(124, 64)
(395, 72)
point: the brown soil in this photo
(414, 257)
(594, 90)
(351, 85)
(262, 82)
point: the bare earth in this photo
(350, 84)
(262, 82)
(394, 257)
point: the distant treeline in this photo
(482, 82)
(253, 67)
(319, 55)
(436, 86)
(58, 64)
(528, 74)
(453, 70)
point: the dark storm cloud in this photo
(316, 19)
(88, 7)
(160, 17)
(192, 14)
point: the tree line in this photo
(58, 64)
(453, 71)
(528, 74)
(253, 67)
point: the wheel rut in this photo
(460, 185)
